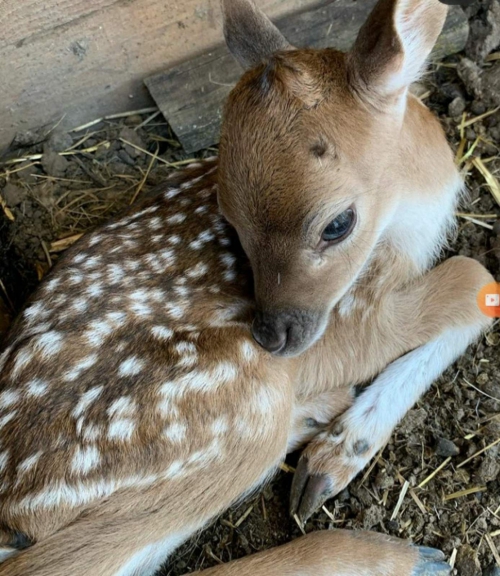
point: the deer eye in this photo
(340, 227)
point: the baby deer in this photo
(135, 404)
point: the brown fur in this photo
(135, 405)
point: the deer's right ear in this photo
(392, 46)
(250, 35)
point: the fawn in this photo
(169, 362)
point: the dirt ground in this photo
(448, 444)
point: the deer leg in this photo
(339, 553)
(445, 313)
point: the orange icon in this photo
(488, 300)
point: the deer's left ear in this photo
(250, 35)
(392, 46)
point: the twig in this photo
(479, 453)
(114, 117)
(493, 548)
(143, 181)
(461, 493)
(436, 471)
(401, 498)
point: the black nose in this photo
(270, 332)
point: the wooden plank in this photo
(82, 59)
(191, 95)
(20, 21)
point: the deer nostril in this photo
(269, 335)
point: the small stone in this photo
(482, 378)
(58, 142)
(446, 448)
(383, 481)
(13, 194)
(478, 107)
(134, 120)
(470, 134)
(131, 136)
(456, 107)
(54, 164)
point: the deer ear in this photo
(250, 35)
(392, 46)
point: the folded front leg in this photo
(339, 453)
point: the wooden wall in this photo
(81, 59)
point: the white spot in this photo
(219, 426)
(201, 209)
(162, 332)
(92, 432)
(175, 311)
(115, 273)
(121, 407)
(75, 278)
(155, 223)
(139, 295)
(80, 367)
(174, 239)
(132, 265)
(188, 353)
(176, 218)
(36, 388)
(172, 193)
(175, 432)
(95, 239)
(182, 291)
(7, 418)
(174, 469)
(4, 458)
(79, 258)
(121, 429)
(140, 309)
(51, 284)
(98, 332)
(30, 462)
(92, 262)
(157, 295)
(229, 276)
(85, 459)
(157, 238)
(36, 311)
(86, 400)
(197, 271)
(80, 304)
(247, 351)
(168, 256)
(95, 290)
(130, 367)
(23, 358)
(228, 259)
(117, 318)
(49, 343)
(9, 397)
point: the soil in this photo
(53, 199)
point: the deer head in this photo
(310, 167)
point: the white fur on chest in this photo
(421, 224)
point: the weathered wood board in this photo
(77, 60)
(191, 95)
